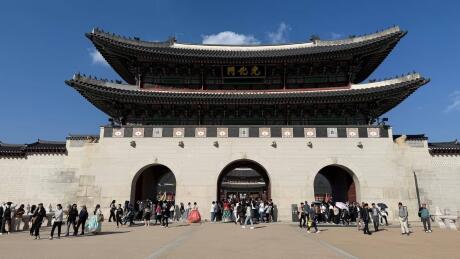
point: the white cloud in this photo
(335, 35)
(280, 35)
(97, 58)
(230, 38)
(455, 105)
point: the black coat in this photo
(73, 214)
(83, 215)
(365, 215)
(39, 214)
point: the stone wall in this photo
(94, 173)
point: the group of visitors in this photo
(360, 214)
(146, 211)
(73, 219)
(244, 212)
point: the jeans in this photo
(248, 218)
(72, 224)
(36, 227)
(112, 215)
(404, 226)
(165, 221)
(213, 217)
(366, 227)
(375, 219)
(313, 224)
(82, 223)
(302, 221)
(58, 225)
(426, 221)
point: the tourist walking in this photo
(384, 214)
(72, 215)
(403, 218)
(118, 215)
(313, 219)
(147, 214)
(375, 217)
(365, 218)
(165, 212)
(248, 216)
(302, 216)
(37, 219)
(58, 217)
(424, 214)
(82, 217)
(6, 218)
(94, 224)
(194, 215)
(213, 211)
(18, 217)
(112, 211)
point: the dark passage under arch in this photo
(335, 181)
(243, 179)
(154, 182)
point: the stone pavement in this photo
(230, 241)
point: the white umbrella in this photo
(341, 205)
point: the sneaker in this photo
(252, 227)
(51, 238)
(317, 231)
(308, 231)
(243, 226)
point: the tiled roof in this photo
(451, 147)
(40, 146)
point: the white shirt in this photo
(58, 215)
(213, 208)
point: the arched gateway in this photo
(153, 182)
(336, 181)
(243, 179)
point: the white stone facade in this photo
(92, 173)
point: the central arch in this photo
(153, 182)
(243, 179)
(336, 181)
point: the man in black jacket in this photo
(72, 220)
(365, 217)
(37, 219)
(82, 217)
(6, 218)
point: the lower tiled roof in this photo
(40, 146)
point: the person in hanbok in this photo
(94, 224)
(227, 214)
(188, 209)
(194, 216)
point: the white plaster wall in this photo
(100, 172)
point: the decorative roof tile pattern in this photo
(40, 146)
(444, 148)
(123, 53)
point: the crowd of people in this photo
(310, 215)
(246, 212)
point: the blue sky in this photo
(43, 43)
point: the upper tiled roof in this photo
(363, 53)
(171, 47)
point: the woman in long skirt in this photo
(194, 216)
(94, 224)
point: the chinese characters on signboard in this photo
(243, 71)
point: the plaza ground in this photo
(279, 240)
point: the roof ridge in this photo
(171, 41)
